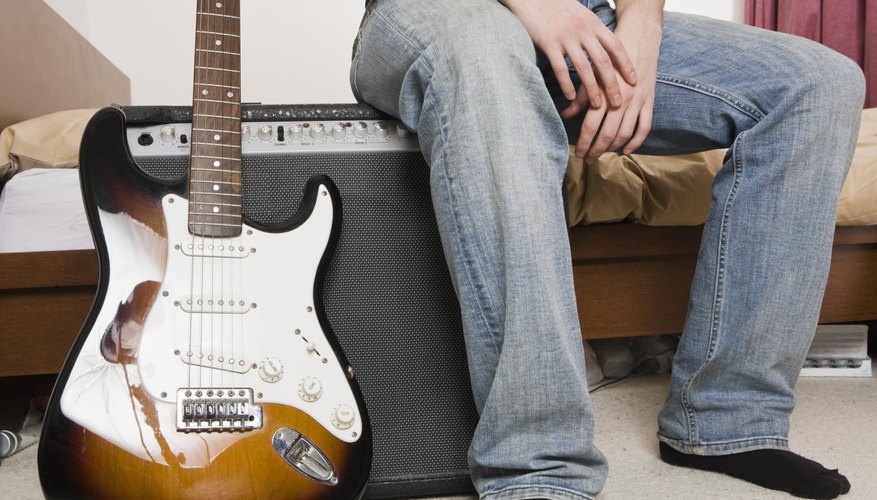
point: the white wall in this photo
(292, 51)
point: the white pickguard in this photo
(233, 308)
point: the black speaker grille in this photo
(390, 301)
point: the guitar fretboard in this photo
(215, 162)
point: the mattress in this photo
(41, 210)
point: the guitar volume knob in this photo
(271, 370)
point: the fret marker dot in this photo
(204, 92)
(216, 187)
(218, 5)
(216, 163)
(230, 94)
(219, 42)
(215, 210)
(216, 137)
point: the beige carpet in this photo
(835, 423)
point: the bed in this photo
(44, 295)
(633, 251)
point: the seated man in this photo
(496, 91)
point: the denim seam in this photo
(718, 297)
(726, 447)
(739, 104)
(441, 117)
(535, 487)
(415, 47)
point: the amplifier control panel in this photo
(279, 137)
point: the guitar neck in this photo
(215, 162)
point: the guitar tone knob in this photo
(271, 370)
(294, 132)
(310, 389)
(343, 417)
(246, 133)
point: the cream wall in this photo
(293, 51)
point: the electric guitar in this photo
(206, 367)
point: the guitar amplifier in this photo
(387, 292)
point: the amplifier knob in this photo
(167, 133)
(318, 131)
(265, 132)
(382, 130)
(339, 131)
(343, 417)
(294, 132)
(360, 130)
(246, 133)
(402, 132)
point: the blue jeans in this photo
(464, 75)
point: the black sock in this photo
(774, 469)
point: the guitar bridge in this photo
(217, 410)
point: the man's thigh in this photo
(715, 80)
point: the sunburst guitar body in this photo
(206, 367)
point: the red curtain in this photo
(847, 26)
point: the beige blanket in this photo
(675, 190)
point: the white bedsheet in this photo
(41, 210)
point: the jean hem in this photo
(729, 447)
(523, 492)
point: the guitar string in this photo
(192, 242)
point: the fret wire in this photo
(218, 85)
(210, 68)
(220, 204)
(215, 182)
(215, 193)
(235, 103)
(215, 214)
(217, 157)
(220, 52)
(216, 169)
(218, 15)
(234, 118)
(216, 130)
(218, 33)
(215, 144)
(194, 223)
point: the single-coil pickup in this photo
(213, 305)
(208, 359)
(217, 409)
(215, 248)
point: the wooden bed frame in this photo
(630, 280)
